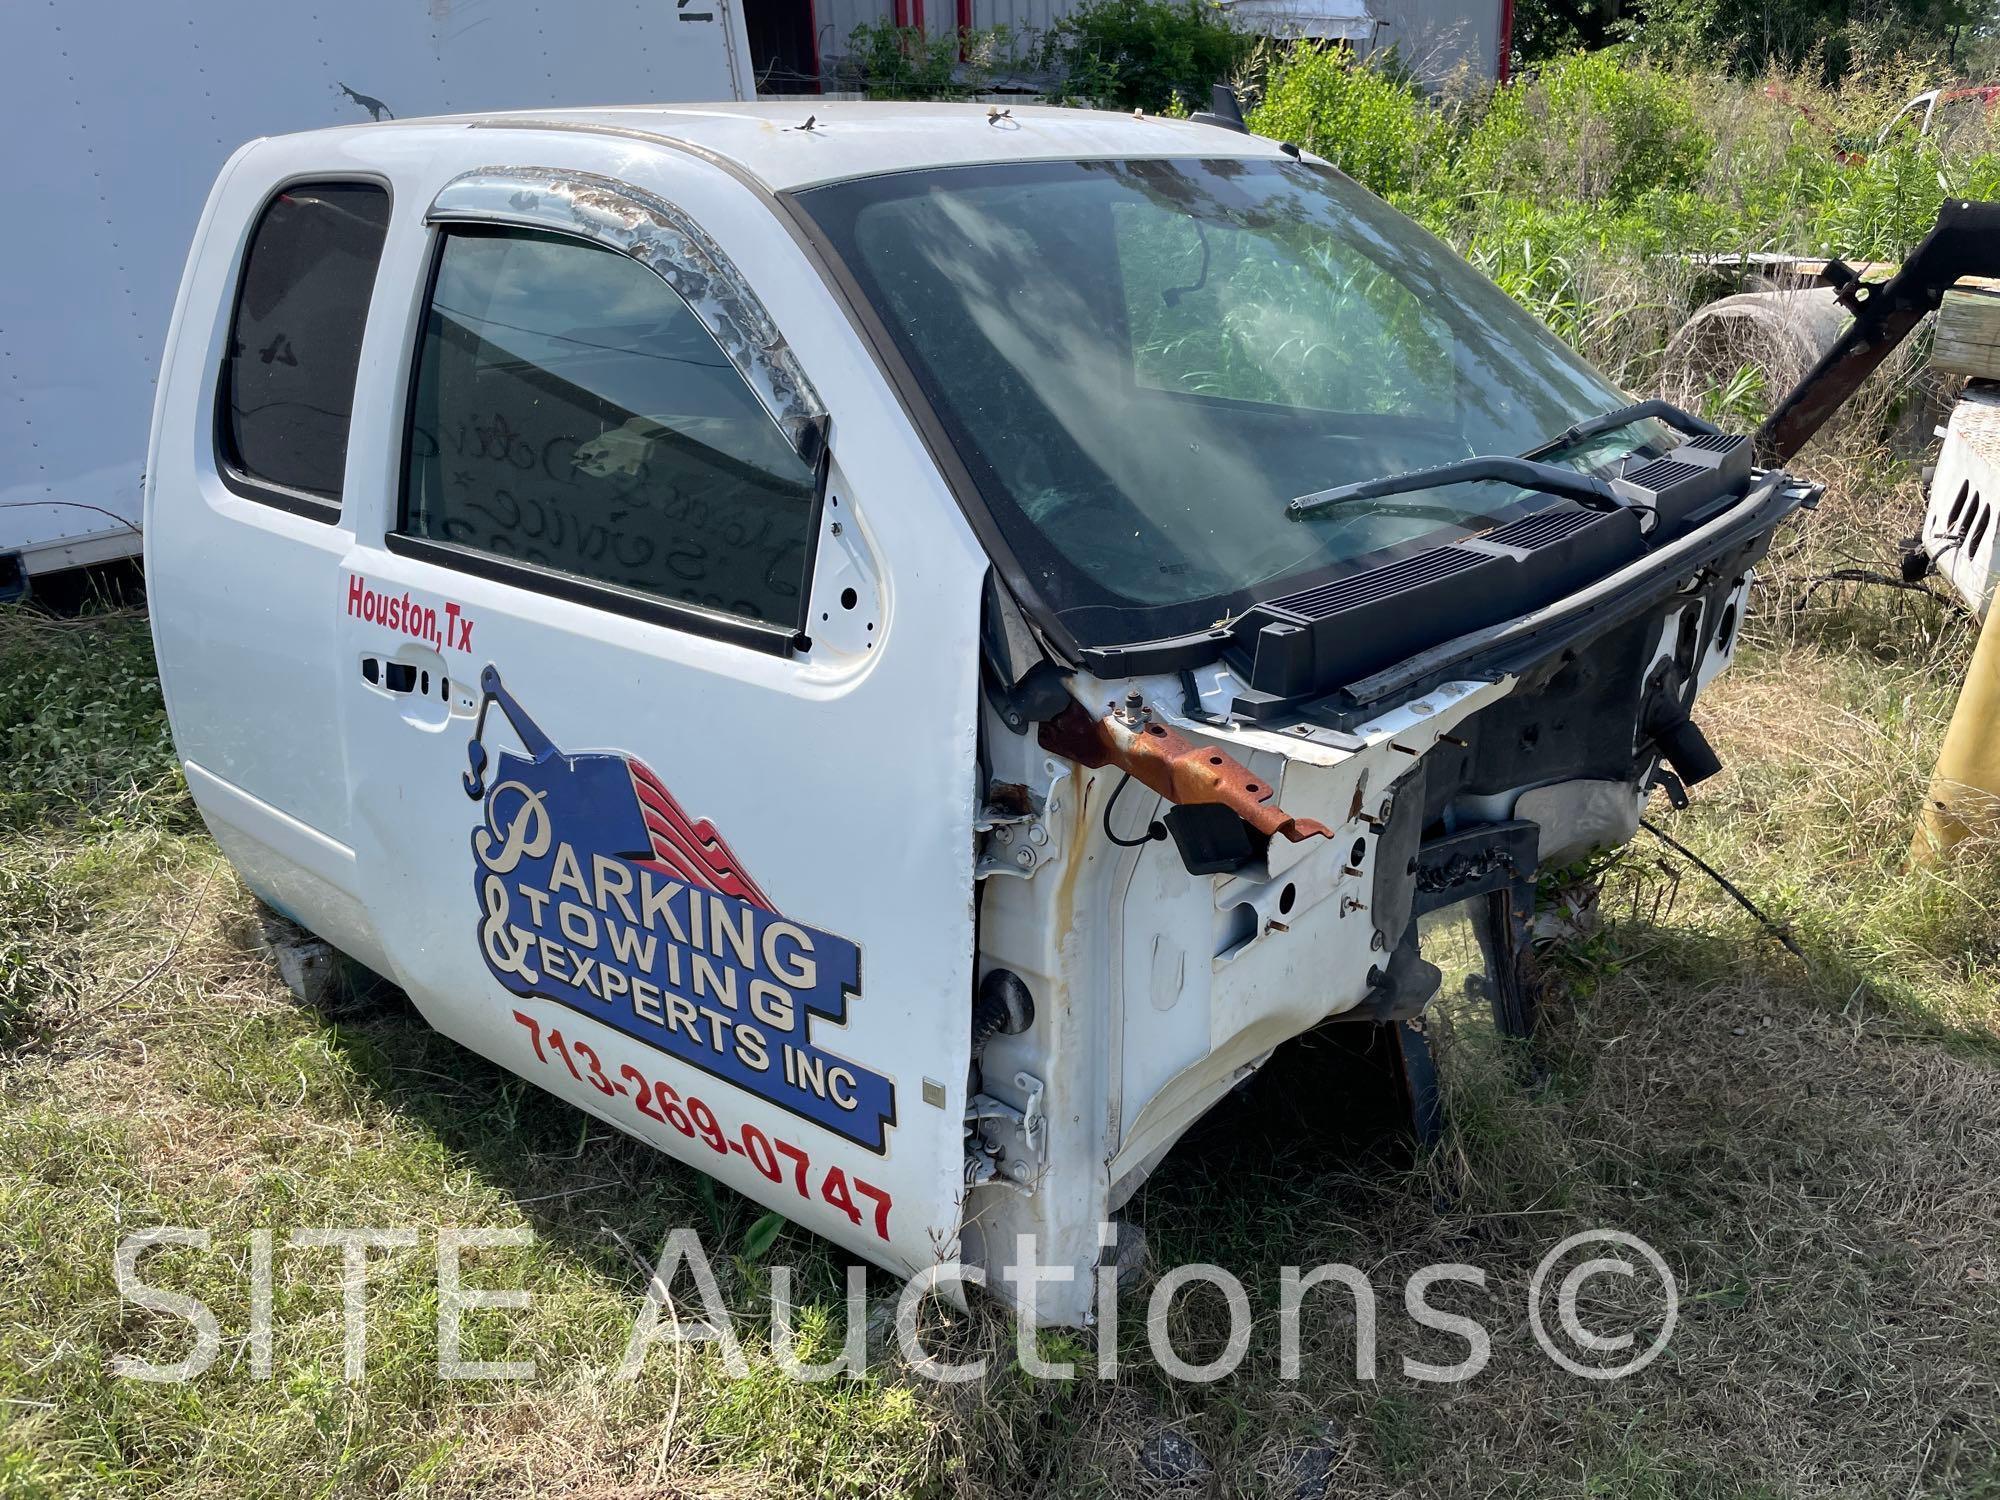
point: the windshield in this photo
(1140, 362)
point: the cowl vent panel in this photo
(1379, 583)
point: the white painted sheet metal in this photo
(1321, 20)
(116, 119)
(1962, 519)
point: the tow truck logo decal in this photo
(597, 891)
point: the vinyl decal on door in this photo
(597, 891)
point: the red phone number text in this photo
(775, 1159)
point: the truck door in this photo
(249, 515)
(657, 800)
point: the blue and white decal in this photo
(597, 891)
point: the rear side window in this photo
(572, 413)
(295, 339)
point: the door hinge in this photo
(1021, 838)
(1005, 1145)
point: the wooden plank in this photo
(1968, 334)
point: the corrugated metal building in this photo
(1436, 38)
(799, 44)
(837, 18)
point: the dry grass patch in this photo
(1810, 1145)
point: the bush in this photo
(1143, 54)
(907, 62)
(1592, 125)
(1593, 192)
(1375, 127)
(1879, 208)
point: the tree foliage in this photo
(1832, 38)
(1154, 55)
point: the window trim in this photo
(574, 588)
(662, 238)
(768, 637)
(237, 481)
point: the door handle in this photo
(404, 678)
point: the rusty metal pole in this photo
(1965, 241)
(1964, 797)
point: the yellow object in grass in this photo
(1964, 799)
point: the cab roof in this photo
(769, 140)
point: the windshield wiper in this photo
(1525, 470)
(1625, 416)
(1549, 479)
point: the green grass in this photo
(1810, 1145)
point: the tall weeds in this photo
(1595, 191)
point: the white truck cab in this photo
(896, 652)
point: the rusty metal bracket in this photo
(1965, 241)
(1160, 757)
(1474, 861)
(1019, 830)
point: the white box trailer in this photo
(116, 120)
